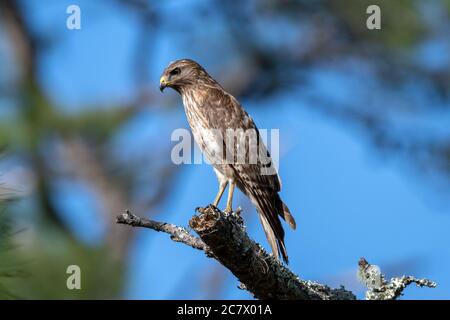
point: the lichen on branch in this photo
(223, 237)
(380, 289)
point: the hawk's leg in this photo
(229, 207)
(222, 186)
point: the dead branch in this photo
(223, 237)
(178, 234)
(380, 289)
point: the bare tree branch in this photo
(258, 271)
(177, 234)
(380, 289)
(223, 237)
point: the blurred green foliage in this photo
(8, 263)
(401, 17)
(36, 268)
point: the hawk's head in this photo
(182, 73)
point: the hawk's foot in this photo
(202, 209)
(228, 210)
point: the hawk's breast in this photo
(208, 138)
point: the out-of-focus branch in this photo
(85, 163)
(24, 42)
(380, 289)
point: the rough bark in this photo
(223, 237)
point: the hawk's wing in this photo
(261, 188)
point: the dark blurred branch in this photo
(85, 163)
(25, 44)
(35, 110)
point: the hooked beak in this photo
(163, 83)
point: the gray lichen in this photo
(223, 237)
(379, 288)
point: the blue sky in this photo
(347, 205)
(349, 200)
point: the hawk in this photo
(212, 114)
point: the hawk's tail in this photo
(270, 209)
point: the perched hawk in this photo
(213, 114)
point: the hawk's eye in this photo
(175, 72)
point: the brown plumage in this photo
(212, 113)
